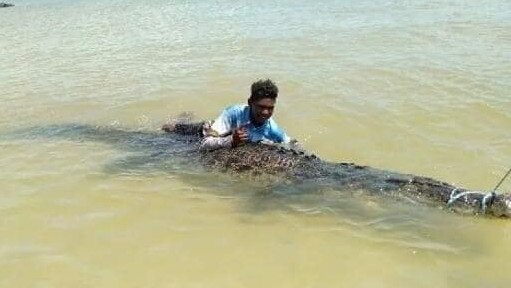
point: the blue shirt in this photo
(239, 116)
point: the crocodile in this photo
(297, 166)
(285, 165)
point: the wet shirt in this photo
(239, 116)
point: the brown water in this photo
(412, 86)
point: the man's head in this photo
(262, 100)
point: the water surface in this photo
(412, 86)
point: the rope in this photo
(501, 180)
(487, 200)
(454, 197)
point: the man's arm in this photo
(236, 138)
(222, 134)
(210, 143)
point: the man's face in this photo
(261, 110)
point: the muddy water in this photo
(413, 86)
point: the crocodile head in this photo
(501, 206)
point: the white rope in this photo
(454, 197)
(485, 202)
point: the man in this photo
(239, 124)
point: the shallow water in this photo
(412, 86)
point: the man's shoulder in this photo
(236, 110)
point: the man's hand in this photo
(239, 136)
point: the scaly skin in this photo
(298, 166)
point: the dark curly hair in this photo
(263, 89)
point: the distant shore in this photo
(5, 5)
